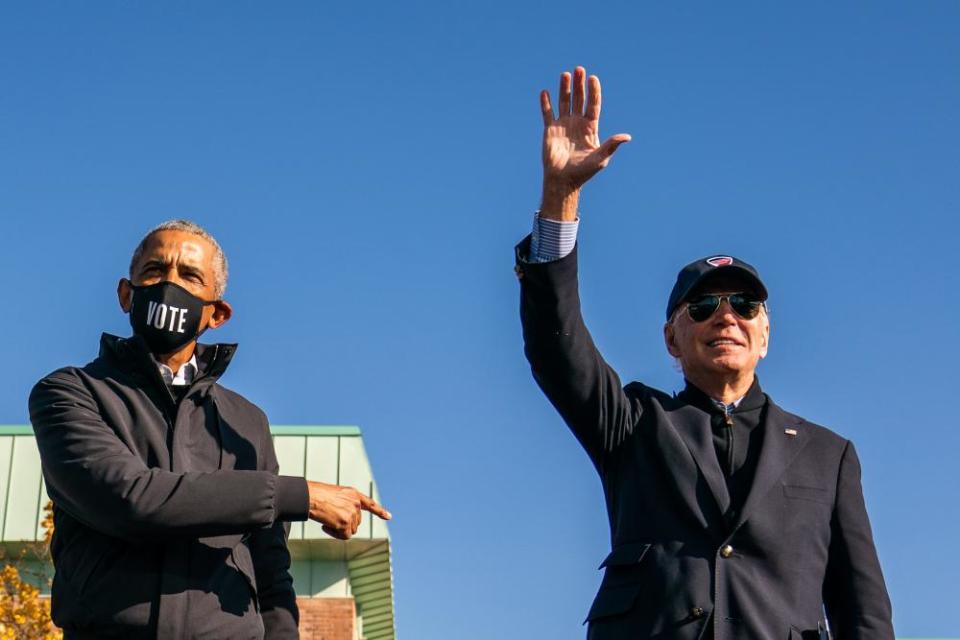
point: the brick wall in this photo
(327, 618)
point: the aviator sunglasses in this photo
(743, 304)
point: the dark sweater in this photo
(736, 439)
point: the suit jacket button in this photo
(726, 551)
(696, 612)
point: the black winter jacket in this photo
(168, 517)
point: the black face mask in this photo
(166, 315)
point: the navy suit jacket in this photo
(679, 568)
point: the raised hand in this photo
(572, 152)
(339, 509)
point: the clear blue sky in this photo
(368, 171)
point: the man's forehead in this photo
(180, 246)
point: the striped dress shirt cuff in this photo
(552, 239)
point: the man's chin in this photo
(727, 364)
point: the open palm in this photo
(572, 152)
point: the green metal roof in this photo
(332, 454)
(307, 430)
(276, 429)
(16, 430)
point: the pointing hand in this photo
(339, 509)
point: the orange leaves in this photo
(24, 613)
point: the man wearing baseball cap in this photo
(730, 518)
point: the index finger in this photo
(546, 108)
(369, 504)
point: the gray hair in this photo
(219, 258)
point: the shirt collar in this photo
(183, 377)
(754, 399)
(727, 408)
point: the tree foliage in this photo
(24, 614)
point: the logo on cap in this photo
(719, 261)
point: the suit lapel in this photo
(679, 466)
(783, 438)
(693, 428)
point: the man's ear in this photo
(670, 339)
(222, 311)
(765, 343)
(125, 294)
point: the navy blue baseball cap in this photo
(696, 272)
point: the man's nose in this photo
(725, 313)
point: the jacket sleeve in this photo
(271, 565)
(565, 363)
(854, 593)
(92, 475)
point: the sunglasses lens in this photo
(745, 307)
(705, 306)
(702, 308)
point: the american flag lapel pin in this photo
(790, 432)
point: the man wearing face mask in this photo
(730, 519)
(168, 508)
